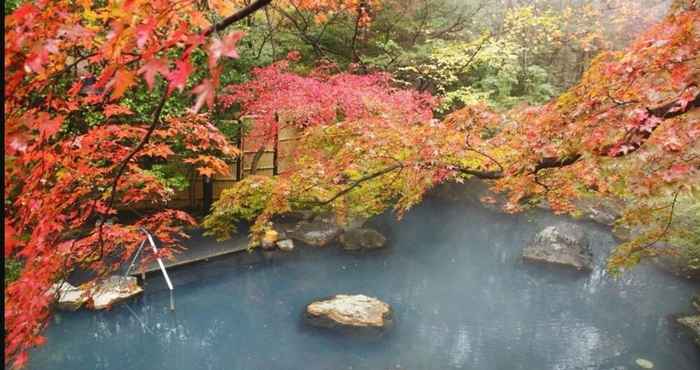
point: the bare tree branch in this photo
(235, 17)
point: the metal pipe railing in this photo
(149, 237)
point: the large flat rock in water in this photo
(349, 312)
(563, 244)
(69, 298)
(114, 290)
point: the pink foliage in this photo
(276, 97)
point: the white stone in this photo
(645, 364)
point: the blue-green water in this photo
(461, 296)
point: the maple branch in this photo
(663, 112)
(235, 17)
(359, 182)
(67, 68)
(304, 36)
(666, 228)
(544, 163)
(474, 54)
(556, 162)
(141, 144)
(122, 168)
(484, 175)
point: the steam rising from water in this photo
(461, 295)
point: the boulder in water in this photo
(602, 210)
(113, 290)
(353, 223)
(363, 238)
(356, 312)
(318, 232)
(693, 324)
(563, 244)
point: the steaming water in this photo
(462, 300)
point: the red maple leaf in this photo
(178, 77)
(143, 32)
(225, 47)
(153, 67)
(205, 93)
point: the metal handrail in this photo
(149, 238)
(133, 260)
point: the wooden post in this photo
(241, 158)
(207, 193)
(276, 147)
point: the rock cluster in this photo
(316, 231)
(320, 231)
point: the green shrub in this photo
(242, 202)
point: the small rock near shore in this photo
(286, 245)
(318, 232)
(358, 239)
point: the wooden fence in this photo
(275, 158)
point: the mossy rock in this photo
(693, 324)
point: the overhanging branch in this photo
(235, 17)
(359, 182)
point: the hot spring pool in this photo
(461, 297)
